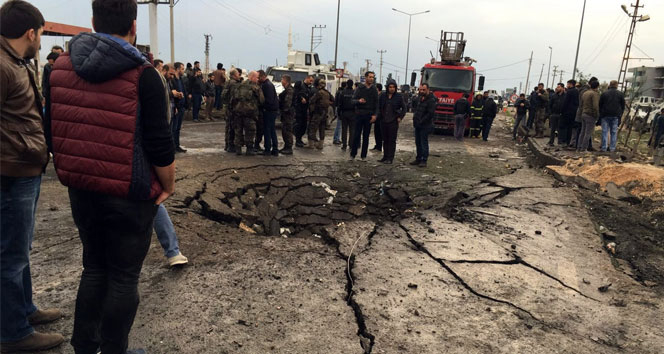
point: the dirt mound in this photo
(643, 181)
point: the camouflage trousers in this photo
(540, 121)
(259, 131)
(229, 136)
(245, 130)
(317, 126)
(287, 129)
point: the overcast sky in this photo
(251, 33)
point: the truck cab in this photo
(449, 78)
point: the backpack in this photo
(244, 100)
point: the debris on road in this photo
(604, 288)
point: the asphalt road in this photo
(477, 253)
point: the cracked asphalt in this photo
(478, 253)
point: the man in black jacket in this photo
(423, 123)
(365, 99)
(522, 106)
(301, 95)
(488, 114)
(346, 113)
(611, 108)
(532, 112)
(556, 110)
(270, 112)
(461, 112)
(196, 91)
(391, 110)
(570, 106)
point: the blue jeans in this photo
(19, 202)
(609, 124)
(422, 142)
(176, 125)
(197, 100)
(337, 131)
(270, 131)
(163, 226)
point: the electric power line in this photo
(504, 66)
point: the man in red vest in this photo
(112, 147)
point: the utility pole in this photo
(549, 69)
(530, 62)
(555, 70)
(380, 75)
(154, 30)
(410, 19)
(562, 72)
(207, 52)
(622, 76)
(541, 73)
(336, 41)
(520, 83)
(368, 64)
(318, 38)
(578, 43)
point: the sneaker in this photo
(286, 151)
(415, 163)
(178, 259)
(44, 316)
(266, 153)
(250, 152)
(238, 151)
(336, 142)
(299, 143)
(34, 342)
(344, 148)
(422, 164)
(387, 162)
(376, 148)
(382, 160)
(275, 153)
(180, 149)
(352, 158)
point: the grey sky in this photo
(254, 32)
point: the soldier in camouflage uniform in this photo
(227, 112)
(318, 106)
(246, 98)
(542, 103)
(287, 114)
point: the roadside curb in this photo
(543, 157)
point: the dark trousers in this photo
(378, 136)
(389, 132)
(486, 127)
(300, 125)
(532, 113)
(176, 125)
(197, 100)
(115, 233)
(347, 128)
(475, 126)
(270, 131)
(520, 119)
(362, 131)
(422, 142)
(554, 123)
(459, 126)
(229, 135)
(217, 96)
(19, 197)
(259, 132)
(565, 130)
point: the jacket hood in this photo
(391, 82)
(97, 58)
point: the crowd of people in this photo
(573, 111)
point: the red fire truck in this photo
(449, 78)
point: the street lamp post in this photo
(578, 43)
(410, 19)
(549, 70)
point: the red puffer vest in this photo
(96, 134)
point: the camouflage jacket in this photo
(226, 93)
(286, 100)
(247, 98)
(321, 100)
